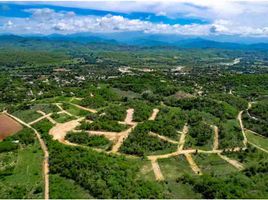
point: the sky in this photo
(182, 17)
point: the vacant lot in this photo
(8, 126)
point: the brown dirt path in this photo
(183, 136)
(112, 136)
(84, 108)
(216, 137)
(40, 118)
(154, 114)
(192, 164)
(62, 110)
(129, 116)
(239, 118)
(120, 140)
(235, 163)
(45, 151)
(157, 171)
(47, 116)
(163, 138)
(258, 147)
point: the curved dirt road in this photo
(45, 151)
(239, 117)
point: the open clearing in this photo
(59, 131)
(8, 126)
(258, 140)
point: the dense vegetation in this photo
(188, 86)
(103, 176)
(141, 143)
(85, 139)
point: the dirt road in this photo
(45, 151)
(163, 138)
(129, 116)
(216, 137)
(235, 163)
(84, 108)
(258, 147)
(154, 114)
(157, 171)
(109, 135)
(239, 117)
(182, 138)
(47, 116)
(37, 120)
(63, 111)
(120, 140)
(192, 164)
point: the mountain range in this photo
(141, 39)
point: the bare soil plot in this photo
(8, 126)
(60, 130)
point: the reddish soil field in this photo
(8, 126)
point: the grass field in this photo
(62, 188)
(213, 164)
(257, 140)
(74, 110)
(27, 115)
(47, 108)
(181, 191)
(146, 171)
(26, 180)
(61, 118)
(174, 167)
(230, 135)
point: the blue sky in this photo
(182, 17)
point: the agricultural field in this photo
(8, 126)
(108, 121)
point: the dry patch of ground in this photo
(8, 126)
(60, 130)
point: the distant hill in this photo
(135, 39)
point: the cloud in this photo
(48, 21)
(226, 17)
